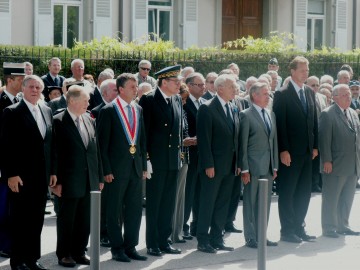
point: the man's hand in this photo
(315, 153)
(144, 175)
(238, 171)
(14, 182)
(245, 177)
(57, 190)
(101, 186)
(109, 178)
(53, 180)
(274, 174)
(327, 167)
(210, 172)
(285, 158)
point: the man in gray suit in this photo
(340, 162)
(259, 157)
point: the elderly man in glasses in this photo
(143, 74)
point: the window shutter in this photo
(102, 18)
(140, 19)
(190, 23)
(341, 25)
(300, 24)
(44, 23)
(5, 22)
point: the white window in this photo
(316, 24)
(160, 19)
(67, 22)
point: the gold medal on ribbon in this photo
(132, 149)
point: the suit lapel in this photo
(62, 102)
(176, 107)
(69, 124)
(162, 104)
(295, 97)
(258, 118)
(29, 117)
(192, 108)
(47, 120)
(343, 117)
(219, 107)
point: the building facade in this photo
(187, 22)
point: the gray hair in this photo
(186, 70)
(211, 75)
(75, 92)
(272, 72)
(57, 59)
(341, 73)
(338, 88)
(73, 62)
(255, 89)
(104, 75)
(326, 79)
(192, 76)
(144, 62)
(105, 86)
(145, 85)
(33, 77)
(220, 81)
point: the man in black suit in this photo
(196, 84)
(108, 92)
(295, 110)
(27, 169)
(13, 75)
(78, 169)
(52, 78)
(123, 152)
(96, 95)
(163, 120)
(218, 143)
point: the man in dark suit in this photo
(96, 96)
(297, 126)
(218, 144)
(78, 169)
(209, 85)
(259, 157)
(162, 116)
(339, 127)
(196, 84)
(13, 75)
(52, 78)
(108, 92)
(28, 173)
(123, 151)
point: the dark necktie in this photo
(266, 122)
(228, 117)
(302, 99)
(56, 81)
(15, 100)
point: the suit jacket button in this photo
(170, 135)
(169, 145)
(178, 146)
(165, 125)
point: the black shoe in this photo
(105, 242)
(206, 248)
(4, 253)
(120, 256)
(222, 247)
(67, 262)
(348, 232)
(21, 266)
(271, 243)
(331, 234)
(181, 241)
(291, 238)
(133, 254)
(170, 242)
(232, 229)
(187, 236)
(305, 237)
(170, 250)
(251, 243)
(154, 252)
(47, 212)
(82, 260)
(36, 266)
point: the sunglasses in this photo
(147, 69)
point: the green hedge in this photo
(203, 60)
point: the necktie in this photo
(228, 116)
(82, 134)
(302, 99)
(15, 100)
(39, 121)
(197, 102)
(168, 100)
(266, 122)
(130, 116)
(56, 81)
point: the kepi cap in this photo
(354, 83)
(79, 83)
(15, 69)
(52, 88)
(273, 61)
(169, 72)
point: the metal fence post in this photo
(262, 223)
(95, 230)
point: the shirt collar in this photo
(297, 87)
(73, 116)
(123, 102)
(258, 108)
(223, 103)
(163, 94)
(30, 105)
(10, 96)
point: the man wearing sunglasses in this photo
(143, 74)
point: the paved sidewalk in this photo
(330, 254)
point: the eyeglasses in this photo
(177, 81)
(198, 84)
(147, 69)
(211, 82)
(315, 85)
